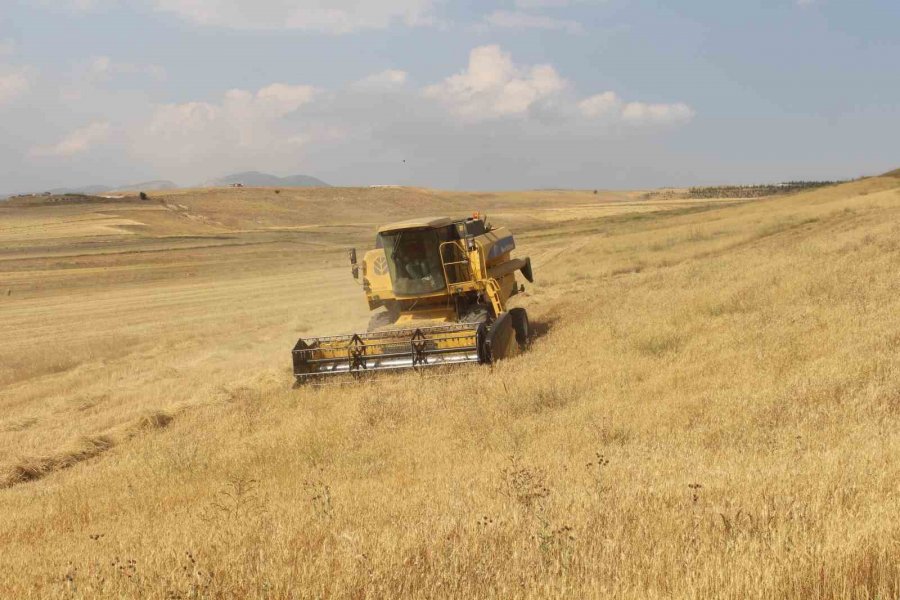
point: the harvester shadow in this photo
(541, 328)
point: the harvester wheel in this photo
(521, 325)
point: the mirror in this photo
(354, 268)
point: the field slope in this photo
(711, 409)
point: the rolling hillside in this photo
(257, 179)
(711, 408)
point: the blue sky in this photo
(466, 95)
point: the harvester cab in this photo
(444, 286)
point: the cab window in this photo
(414, 260)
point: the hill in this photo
(87, 190)
(96, 189)
(257, 179)
(710, 409)
(65, 199)
(148, 186)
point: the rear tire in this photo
(500, 341)
(521, 325)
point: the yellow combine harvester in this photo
(441, 288)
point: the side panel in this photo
(377, 278)
(497, 244)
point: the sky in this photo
(454, 94)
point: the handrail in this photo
(481, 280)
(457, 247)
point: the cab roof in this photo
(420, 223)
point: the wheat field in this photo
(710, 409)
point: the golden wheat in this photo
(710, 410)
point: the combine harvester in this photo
(444, 286)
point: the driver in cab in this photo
(413, 260)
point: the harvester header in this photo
(439, 288)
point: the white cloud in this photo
(77, 5)
(484, 124)
(492, 86)
(14, 81)
(609, 106)
(157, 72)
(521, 20)
(76, 142)
(642, 113)
(553, 3)
(329, 16)
(243, 124)
(13, 84)
(388, 78)
(102, 68)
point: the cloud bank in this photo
(326, 16)
(492, 86)
(608, 106)
(493, 111)
(505, 19)
(241, 125)
(13, 84)
(77, 142)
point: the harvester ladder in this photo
(471, 272)
(492, 291)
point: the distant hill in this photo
(94, 190)
(894, 173)
(257, 179)
(88, 190)
(247, 178)
(148, 186)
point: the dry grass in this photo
(711, 410)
